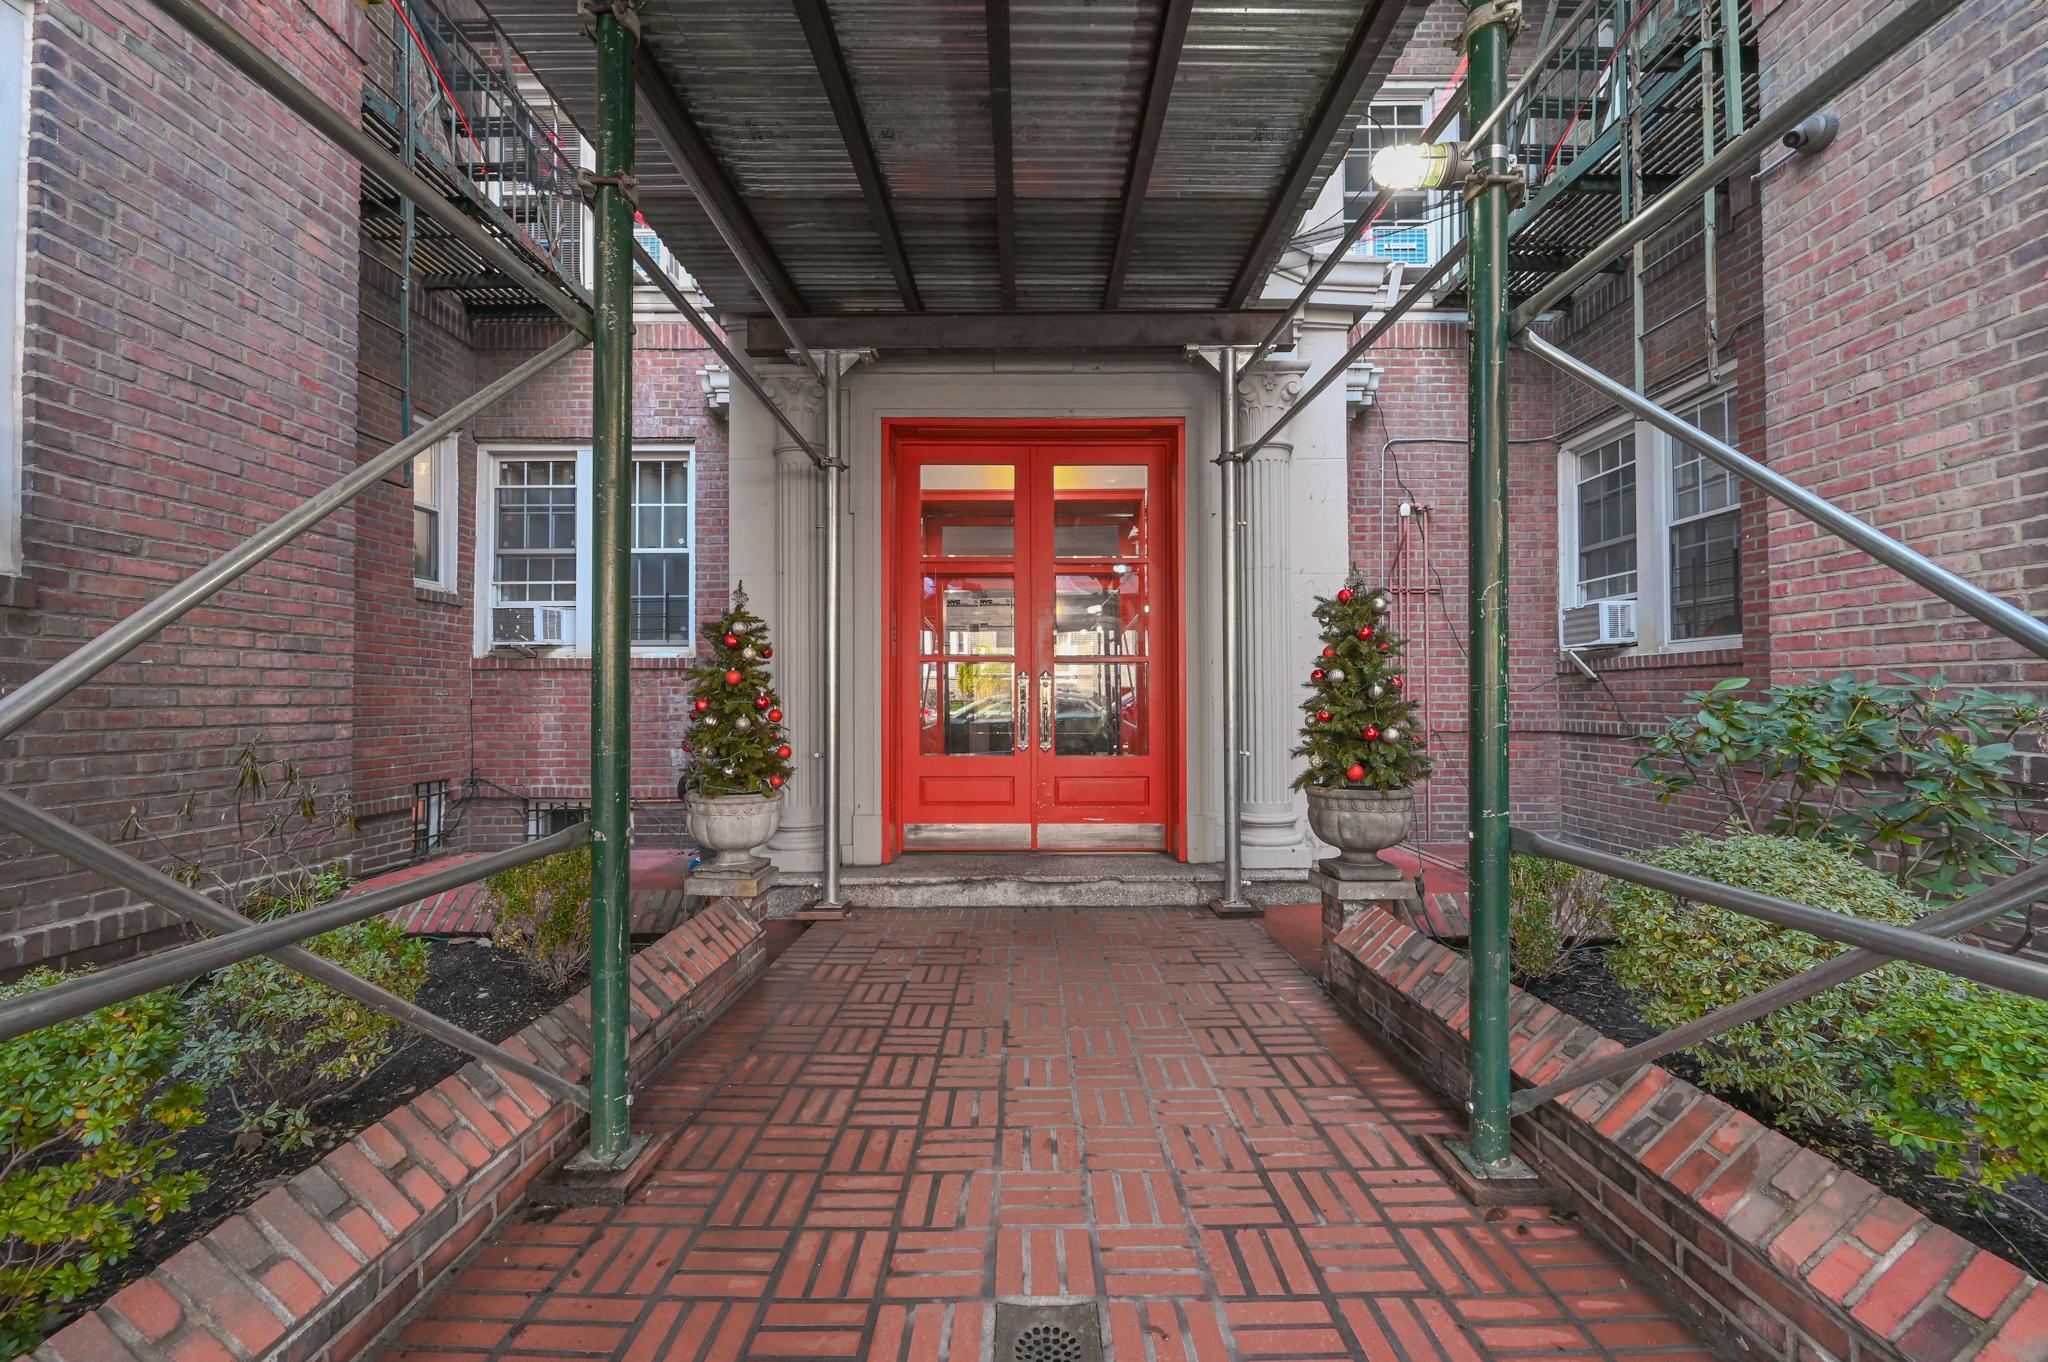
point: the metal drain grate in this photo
(1047, 1333)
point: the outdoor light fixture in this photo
(1412, 166)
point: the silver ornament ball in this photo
(748, 652)
(1336, 676)
(1377, 690)
(1391, 733)
(743, 723)
(1379, 604)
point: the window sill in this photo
(562, 660)
(1723, 655)
(438, 595)
(17, 593)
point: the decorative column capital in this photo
(1265, 393)
(799, 395)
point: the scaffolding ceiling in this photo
(933, 158)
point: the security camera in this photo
(1814, 134)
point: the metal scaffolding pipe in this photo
(1998, 614)
(1954, 920)
(566, 298)
(53, 834)
(1895, 33)
(1412, 295)
(835, 469)
(83, 993)
(59, 679)
(1529, 76)
(1452, 103)
(1486, 228)
(738, 367)
(611, 638)
(2008, 972)
(1233, 899)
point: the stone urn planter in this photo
(1359, 823)
(731, 826)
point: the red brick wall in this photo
(189, 375)
(1907, 314)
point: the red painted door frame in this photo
(1042, 787)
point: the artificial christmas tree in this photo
(739, 759)
(1363, 747)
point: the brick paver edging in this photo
(316, 1268)
(1780, 1250)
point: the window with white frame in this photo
(16, 19)
(1662, 529)
(1412, 228)
(534, 529)
(433, 524)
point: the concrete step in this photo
(1035, 880)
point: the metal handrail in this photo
(2005, 897)
(76, 996)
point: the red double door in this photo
(1034, 664)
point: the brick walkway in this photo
(915, 1113)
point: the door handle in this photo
(1021, 720)
(1045, 711)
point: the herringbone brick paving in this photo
(917, 1113)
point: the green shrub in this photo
(1916, 775)
(280, 1044)
(1683, 960)
(1554, 912)
(541, 911)
(85, 1132)
(1964, 1079)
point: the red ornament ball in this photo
(733, 678)
(1317, 675)
(776, 781)
(767, 653)
(783, 751)
(1386, 647)
(1329, 652)
(1395, 682)
(774, 716)
(732, 640)
(1356, 772)
(1344, 596)
(1322, 716)
(687, 749)
(760, 702)
(1371, 731)
(1365, 631)
(702, 704)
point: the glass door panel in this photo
(1099, 510)
(968, 709)
(969, 510)
(1100, 614)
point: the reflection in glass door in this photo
(1025, 708)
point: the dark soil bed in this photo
(2013, 1225)
(471, 983)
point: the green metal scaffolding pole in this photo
(611, 1141)
(1486, 228)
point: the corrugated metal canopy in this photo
(773, 123)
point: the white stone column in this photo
(1274, 823)
(799, 610)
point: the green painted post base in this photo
(589, 1180)
(1510, 1183)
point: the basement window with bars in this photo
(546, 817)
(1648, 518)
(534, 532)
(429, 815)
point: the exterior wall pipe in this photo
(566, 298)
(53, 834)
(2009, 972)
(1486, 229)
(83, 993)
(1998, 614)
(1859, 61)
(835, 469)
(1233, 899)
(733, 363)
(1957, 918)
(611, 707)
(58, 680)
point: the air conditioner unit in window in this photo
(1597, 624)
(536, 626)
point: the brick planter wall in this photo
(1777, 1250)
(318, 1267)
